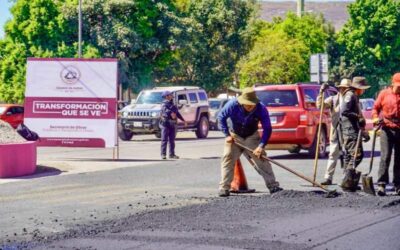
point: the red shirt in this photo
(387, 105)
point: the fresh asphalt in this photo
(82, 199)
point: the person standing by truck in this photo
(168, 122)
(387, 105)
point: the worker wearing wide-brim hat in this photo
(333, 103)
(245, 113)
(351, 122)
(386, 112)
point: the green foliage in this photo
(36, 30)
(217, 33)
(369, 43)
(283, 48)
(275, 58)
(139, 33)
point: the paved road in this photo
(83, 199)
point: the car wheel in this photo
(158, 135)
(124, 134)
(202, 128)
(295, 150)
(322, 153)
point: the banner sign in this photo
(72, 102)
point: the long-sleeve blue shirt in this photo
(245, 124)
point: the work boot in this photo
(223, 193)
(397, 190)
(174, 157)
(275, 190)
(164, 157)
(381, 190)
(326, 182)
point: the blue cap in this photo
(165, 93)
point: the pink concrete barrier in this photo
(17, 159)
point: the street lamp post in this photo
(80, 29)
(300, 7)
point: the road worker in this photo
(387, 106)
(244, 115)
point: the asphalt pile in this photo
(8, 134)
(215, 216)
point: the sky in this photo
(4, 15)
(5, 10)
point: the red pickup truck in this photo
(295, 118)
(12, 113)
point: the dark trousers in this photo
(168, 134)
(390, 139)
(350, 143)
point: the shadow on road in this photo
(42, 171)
(367, 154)
(107, 160)
(178, 139)
(300, 156)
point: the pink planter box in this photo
(17, 159)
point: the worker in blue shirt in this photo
(244, 114)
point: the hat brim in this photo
(243, 101)
(361, 87)
(342, 86)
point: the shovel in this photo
(366, 180)
(330, 193)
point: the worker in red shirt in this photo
(387, 112)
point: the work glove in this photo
(365, 136)
(324, 87)
(258, 152)
(376, 121)
(362, 122)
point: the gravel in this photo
(8, 135)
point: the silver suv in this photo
(143, 116)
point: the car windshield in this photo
(367, 104)
(278, 98)
(150, 97)
(2, 110)
(214, 104)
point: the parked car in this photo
(143, 116)
(295, 118)
(216, 104)
(366, 106)
(12, 113)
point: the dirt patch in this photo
(8, 135)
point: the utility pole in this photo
(300, 7)
(80, 29)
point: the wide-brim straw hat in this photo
(344, 83)
(360, 82)
(248, 97)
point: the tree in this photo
(369, 42)
(282, 49)
(217, 34)
(36, 30)
(139, 33)
(275, 58)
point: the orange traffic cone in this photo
(239, 182)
